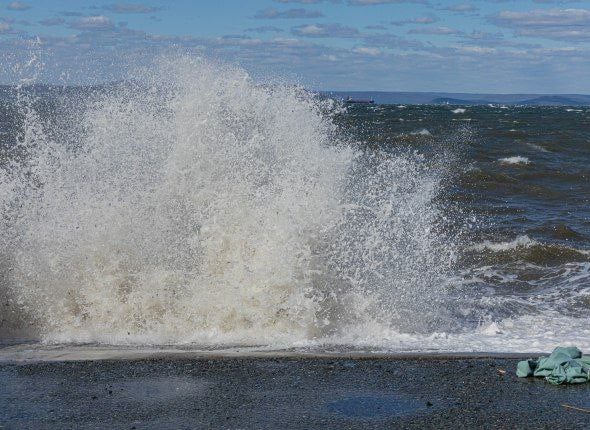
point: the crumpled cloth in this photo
(565, 365)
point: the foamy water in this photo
(422, 132)
(197, 207)
(517, 159)
(203, 208)
(521, 241)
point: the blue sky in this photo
(502, 46)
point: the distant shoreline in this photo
(464, 99)
(381, 97)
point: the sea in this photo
(194, 207)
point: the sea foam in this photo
(196, 206)
(517, 159)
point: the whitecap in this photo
(517, 159)
(520, 242)
(537, 147)
(422, 132)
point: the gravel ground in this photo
(284, 393)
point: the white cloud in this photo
(5, 27)
(544, 17)
(131, 8)
(18, 5)
(557, 24)
(366, 50)
(97, 22)
(306, 1)
(461, 8)
(442, 31)
(392, 41)
(272, 13)
(480, 50)
(325, 30)
(421, 20)
(380, 2)
(557, 1)
(264, 29)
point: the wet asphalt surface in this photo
(284, 393)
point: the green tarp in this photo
(565, 365)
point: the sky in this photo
(495, 46)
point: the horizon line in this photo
(333, 90)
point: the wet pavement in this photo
(284, 393)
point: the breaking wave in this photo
(194, 206)
(525, 249)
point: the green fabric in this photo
(525, 368)
(565, 365)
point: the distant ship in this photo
(359, 101)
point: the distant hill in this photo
(465, 99)
(556, 101)
(553, 100)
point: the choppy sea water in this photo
(197, 208)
